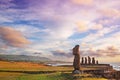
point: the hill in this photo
(24, 58)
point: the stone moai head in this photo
(76, 50)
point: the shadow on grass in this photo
(29, 72)
(67, 76)
(32, 72)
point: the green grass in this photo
(15, 71)
(55, 76)
(93, 79)
(50, 76)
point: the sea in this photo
(116, 66)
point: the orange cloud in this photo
(83, 2)
(82, 26)
(97, 27)
(13, 38)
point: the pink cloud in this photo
(109, 51)
(61, 53)
(83, 2)
(110, 12)
(97, 27)
(13, 38)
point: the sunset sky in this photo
(51, 28)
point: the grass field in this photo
(34, 71)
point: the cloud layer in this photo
(55, 25)
(109, 51)
(11, 37)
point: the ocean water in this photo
(59, 64)
(116, 66)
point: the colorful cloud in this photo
(11, 37)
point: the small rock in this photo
(76, 72)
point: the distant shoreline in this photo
(115, 66)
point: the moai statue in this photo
(97, 62)
(85, 60)
(93, 60)
(89, 60)
(82, 62)
(76, 62)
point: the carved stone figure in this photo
(89, 60)
(76, 62)
(97, 62)
(76, 54)
(85, 60)
(93, 60)
(82, 62)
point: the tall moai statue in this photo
(93, 60)
(82, 62)
(89, 60)
(85, 60)
(76, 62)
